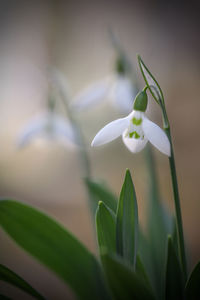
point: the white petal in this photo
(62, 128)
(111, 131)
(34, 128)
(133, 145)
(47, 126)
(123, 94)
(156, 136)
(92, 95)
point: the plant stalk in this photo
(83, 154)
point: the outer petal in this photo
(47, 126)
(123, 94)
(156, 136)
(92, 95)
(134, 145)
(63, 129)
(34, 128)
(111, 131)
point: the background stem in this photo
(83, 154)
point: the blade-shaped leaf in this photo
(106, 228)
(144, 252)
(153, 245)
(151, 81)
(127, 222)
(100, 192)
(157, 246)
(123, 282)
(174, 283)
(140, 271)
(12, 278)
(54, 246)
(192, 289)
(174, 234)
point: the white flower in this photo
(136, 130)
(49, 126)
(117, 88)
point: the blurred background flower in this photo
(74, 38)
(117, 88)
(47, 126)
(120, 87)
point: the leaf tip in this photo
(128, 173)
(138, 57)
(169, 238)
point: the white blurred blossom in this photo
(118, 89)
(47, 126)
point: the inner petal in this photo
(135, 130)
(133, 137)
(133, 144)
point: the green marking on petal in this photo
(134, 134)
(137, 136)
(136, 121)
(131, 134)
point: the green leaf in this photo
(174, 283)
(123, 282)
(127, 222)
(144, 252)
(55, 247)
(192, 289)
(157, 239)
(151, 82)
(153, 244)
(140, 271)
(106, 228)
(174, 234)
(157, 232)
(100, 192)
(12, 278)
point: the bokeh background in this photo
(73, 37)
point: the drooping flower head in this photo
(119, 88)
(136, 129)
(48, 126)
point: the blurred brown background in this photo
(73, 36)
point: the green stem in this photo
(179, 223)
(159, 98)
(177, 207)
(83, 154)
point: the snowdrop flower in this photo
(136, 130)
(117, 88)
(49, 126)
